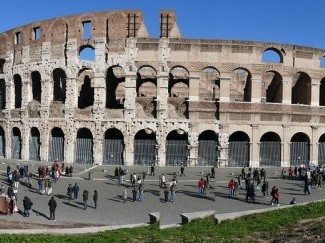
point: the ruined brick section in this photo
(139, 97)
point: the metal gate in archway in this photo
(321, 153)
(207, 153)
(34, 145)
(299, 153)
(84, 147)
(113, 151)
(144, 151)
(56, 145)
(176, 152)
(16, 144)
(270, 153)
(238, 154)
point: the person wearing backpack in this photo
(27, 203)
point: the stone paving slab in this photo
(113, 211)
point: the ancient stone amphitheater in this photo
(96, 89)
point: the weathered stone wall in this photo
(171, 93)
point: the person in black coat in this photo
(95, 198)
(52, 204)
(27, 203)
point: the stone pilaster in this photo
(287, 91)
(225, 88)
(130, 94)
(162, 95)
(315, 85)
(256, 88)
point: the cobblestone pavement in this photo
(112, 210)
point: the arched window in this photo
(18, 90)
(272, 55)
(301, 89)
(36, 86)
(87, 53)
(322, 62)
(59, 89)
(241, 85)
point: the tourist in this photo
(95, 198)
(52, 204)
(125, 196)
(213, 173)
(69, 192)
(201, 185)
(85, 199)
(231, 187)
(27, 203)
(75, 190)
(265, 188)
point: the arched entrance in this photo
(238, 153)
(208, 149)
(321, 150)
(270, 149)
(299, 149)
(177, 148)
(113, 147)
(56, 145)
(2, 143)
(145, 147)
(16, 143)
(34, 145)
(84, 147)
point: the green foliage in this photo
(200, 230)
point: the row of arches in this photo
(145, 148)
(271, 86)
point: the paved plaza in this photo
(112, 210)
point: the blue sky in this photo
(299, 22)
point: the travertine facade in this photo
(166, 100)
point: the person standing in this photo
(52, 204)
(152, 170)
(27, 203)
(213, 172)
(172, 192)
(231, 187)
(75, 190)
(95, 198)
(201, 187)
(69, 192)
(182, 171)
(85, 199)
(125, 196)
(265, 188)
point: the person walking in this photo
(52, 204)
(125, 196)
(69, 192)
(172, 192)
(27, 203)
(201, 185)
(75, 190)
(265, 188)
(95, 198)
(85, 199)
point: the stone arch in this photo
(272, 55)
(16, 143)
(178, 92)
(178, 84)
(146, 89)
(2, 94)
(113, 147)
(84, 147)
(270, 149)
(34, 144)
(241, 85)
(322, 92)
(208, 149)
(115, 87)
(56, 145)
(36, 86)
(2, 143)
(18, 90)
(177, 148)
(299, 149)
(145, 149)
(301, 89)
(238, 149)
(87, 53)
(86, 90)
(209, 84)
(272, 87)
(59, 85)
(146, 82)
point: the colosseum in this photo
(96, 89)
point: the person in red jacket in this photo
(201, 185)
(231, 187)
(277, 197)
